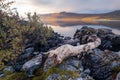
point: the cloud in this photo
(80, 6)
(43, 2)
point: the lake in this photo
(70, 30)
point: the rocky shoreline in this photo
(101, 63)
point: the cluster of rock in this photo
(101, 63)
(109, 40)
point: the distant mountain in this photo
(68, 16)
(111, 19)
(117, 12)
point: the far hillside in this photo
(69, 17)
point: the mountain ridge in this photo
(114, 15)
(65, 12)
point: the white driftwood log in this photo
(58, 55)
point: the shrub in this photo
(16, 33)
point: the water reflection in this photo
(70, 30)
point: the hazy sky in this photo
(79, 6)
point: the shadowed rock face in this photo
(109, 40)
(100, 63)
(32, 64)
(50, 62)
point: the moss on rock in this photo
(116, 70)
(42, 76)
(16, 76)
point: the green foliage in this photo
(40, 75)
(116, 70)
(1, 68)
(16, 33)
(16, 76)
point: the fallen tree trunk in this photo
(58, 55)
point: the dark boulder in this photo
(109, 40)
(100, 63)
(33, 64)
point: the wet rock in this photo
(103, 31)
(36, 53)
(18, 67)
(9, 68)
(26, 55)
(116, 43)
(118, 53)
(23, 58)
(73, 62)
(86, 76)
(49, 63)
(100, 63)
(115, 63)
(67, 38)
(96, 55)
(2, 75)
(29, 50)
(110, 40)
(32, 64)
(87, 71)
(54, 77)
(71, 41)
(83, 34)
(101, 73)
(70, 68)
(83, 76)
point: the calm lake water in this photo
(70, 30)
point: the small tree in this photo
(16, 36)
